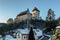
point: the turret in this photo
(35, 13)
(10, 21)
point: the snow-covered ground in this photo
(8, 37)
(24, 31)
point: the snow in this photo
(58, 27)
(8, 37)
(26, 31)
(23, 31)
(49, 38)
(38, 32)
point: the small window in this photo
(24, 36)
(37, 30)
(18, 36)
(58, 34)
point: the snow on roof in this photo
(23, 31)
(26, 31)
(8, 37)
(58, 27)
(38, 32)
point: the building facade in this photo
(35, 13)
(57, 33)
(10, 21)
(23, 34)
(25, 15)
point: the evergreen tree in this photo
(31, 34)
(50, 27)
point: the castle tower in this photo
(10, 21)
(35, 13)
(50, 15)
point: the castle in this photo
(30, 19)
(26, 15)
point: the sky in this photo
(11, 8)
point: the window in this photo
(18, 36)
(25, 37)
(58, 34)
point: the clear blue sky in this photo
(10, 8)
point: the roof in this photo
(38, 32)
(24, 12)
(58, 19)
(1, 24)
(26, 31)
(23, 31)
(35, 9)
(10, 19)
(58, 27)
(9, 37)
